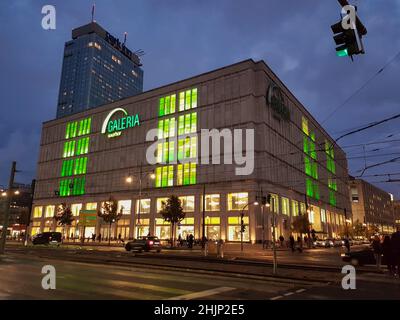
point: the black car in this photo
(360, 258)
(144, 244)
(47, 238)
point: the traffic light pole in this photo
(275, 264)
(7, 208)
(29, 212)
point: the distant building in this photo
(19, 208)
(97, 69)
(371, 205)
(396, 211)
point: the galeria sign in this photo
(114, 127)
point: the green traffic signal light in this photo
(342, 53)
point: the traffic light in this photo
(242, 228)
(269, 199)
(348, 32)
(346, 40)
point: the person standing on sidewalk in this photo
(395, 241)
(377, 248)
(291, 241)
(347, 244)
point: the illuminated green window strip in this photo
(181, 143)
(69, 149)
(187, 100)
(307, 166)
(332, 198)
(67, 131)
(171, 151)
(186, 174)
(187, 123)
(181, 101)
(194, 98)
(159, 152)
(304, 125)
(165, 152)
(332, 184)
(158, 177)
(160, 129)
(167, 105)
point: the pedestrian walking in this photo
(387, 253)
(99, 237)
(93, 237)
(395, 243)
(291, 242)
(299, 244)
(347, 244)
(180, 241)
(377, 248)
(282, 240)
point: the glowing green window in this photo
(161, 109)
(67, 131)
(170, 176)
(187, 99)
(181, 125)
(179, 175)
(171, 151)
(306, 147)
(314, 170)
(186, 173)
(193, 128)
(80, 128)
(187, 148)
(187, 123)
(166, 128)
(192, 173)
(313, 153)
(158, 177)
(309, 187)
(159, 152)
(164, 179)
(160, 129)
(194, 98)
(181, 143)
(332, 184)
(173, 103)
(332, 198)
(69, 149)
(167, 105)
(181, 101)
(165, 152)
(193, 147)
(172, 127)
(89, 124)
(307, 166)
(304, 125)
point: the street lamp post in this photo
(7, 208)
(275, 265)
(129, 179)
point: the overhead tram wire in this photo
(362, 87)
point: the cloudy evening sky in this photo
(183, 38)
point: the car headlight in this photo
(342, 254)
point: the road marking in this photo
(288, 294)
(276, 298)
(202, 294)
(300, 290)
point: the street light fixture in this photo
(129, 180)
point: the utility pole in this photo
(7, 208)
(33, 184)
(275, 264)
(203, 239)
(140, 199)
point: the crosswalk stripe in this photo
(202, 294)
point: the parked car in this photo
(323, 243)
(144, 244)
(360, 258)
(47, 238)
(338, 243)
